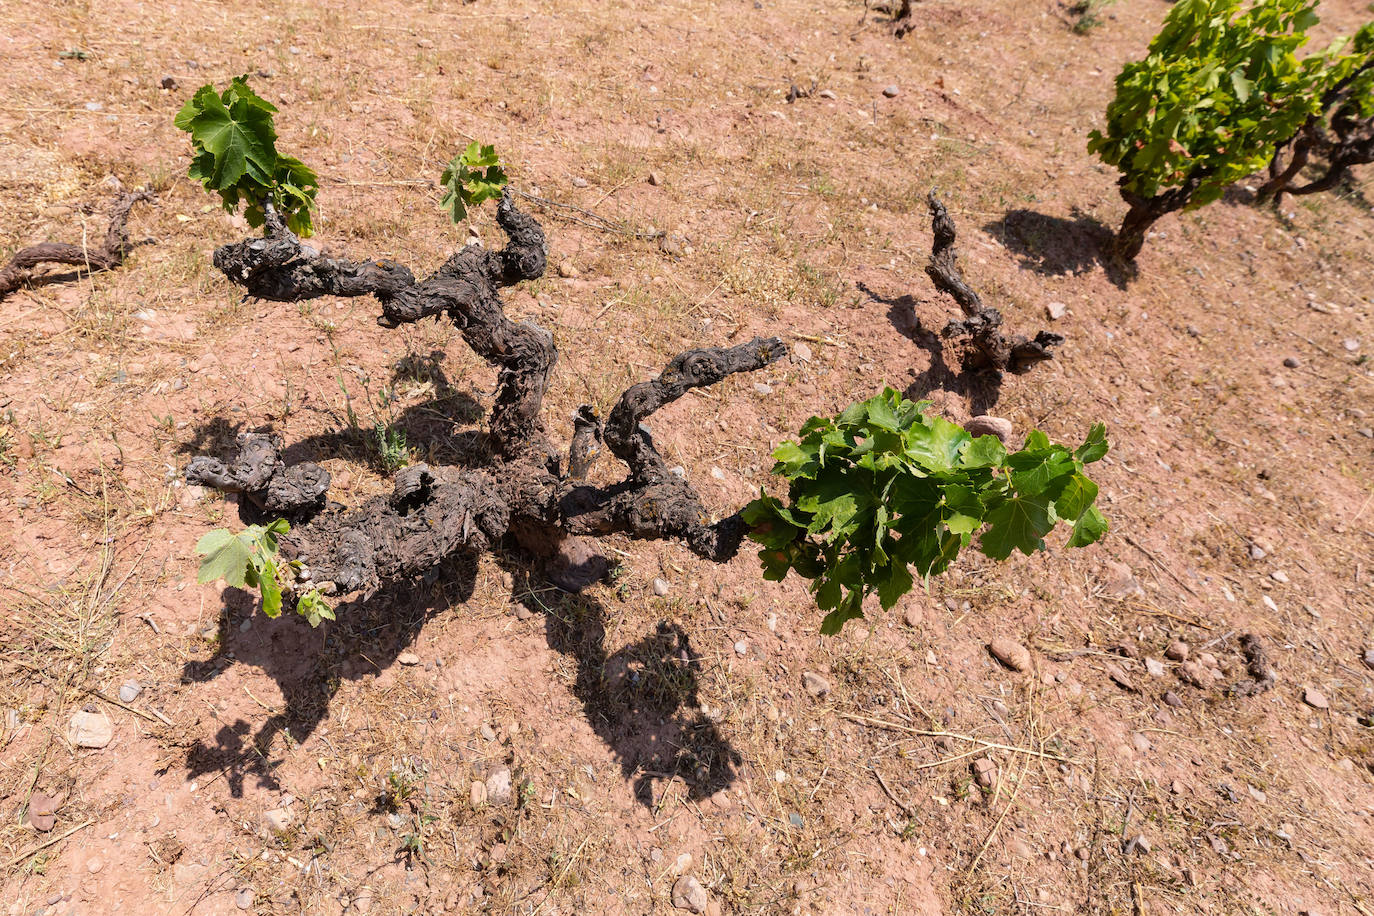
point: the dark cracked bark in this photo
(467, 287)
(110, 254)
(435, 512)
(990, 348)
(1341, 138)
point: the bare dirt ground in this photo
(267, 767)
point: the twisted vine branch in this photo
(111, 253)
(522, 493)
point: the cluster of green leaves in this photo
(249, 560)
(885, 488)
(1353, 66)
(1220, 88)
(234, 152)
(474, 175)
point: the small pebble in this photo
(499, 787)
(129, 691)
(1172, 699)
(990, 426)
(891, 91)
(741, 647)
(408, 658)
(1315, 698)
(1291, 362)
(478, 793)
(566, 269)
(688, 894)
(656, 179)
(660, 587)
(814, 684)
(1056, 310)
(827, 94)
(1010, 653)
(244, 898)
(579, 182)
(1154, 667)
(1177, 651)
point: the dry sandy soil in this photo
(268, 767)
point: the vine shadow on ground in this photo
(641, 700)
(439, 431)
(982, 389)
(1054, 246)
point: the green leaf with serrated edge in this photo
(896, 584)
(1076, 497)
(851, 609)
(983, 452)
(270, 588)
(226, 556)
(1089, 528)
(1020, 524)
(241, 142)
(1094, 447)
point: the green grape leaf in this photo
(226, 556)
(1089, 528)
(1019, 523)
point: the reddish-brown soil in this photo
(640, 743)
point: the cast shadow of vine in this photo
(981, 389)
(641, 700)
(1054, 246)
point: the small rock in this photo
(1292, 362)
(741, 647)
(498, 787)
(989, 426)
(1195, 674)
(984, 772)
(1056, 310)
(1369, 658)
(277, 820)
(579, 182)
(1018, 848)
(1315, 698)
(1141, 743)
(94, 866)
(487, 732)
(566, 269)
(891, 91)
(244, 898)
(763, 388)
(1173, 699)
(90, 729)
(478, 793)
(1279, 576)
(912, 616)
(1257, 552)
(1010, 653)
(1120, 679)
(1350, 344)
(1154, 667)
(660, 587)
(408, 658)
(683, 863)
(129, 691)
(498, 854)
(168, 82)
(1139, 844)
(42, 811)
(801, 352)
(1177, 651)
(827, 94)
(1120, 581)
(656, 179)
(688, 894)
(814, 684)
(671, 245)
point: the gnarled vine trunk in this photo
(523, 492)
(991, 350)
(108, 255)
